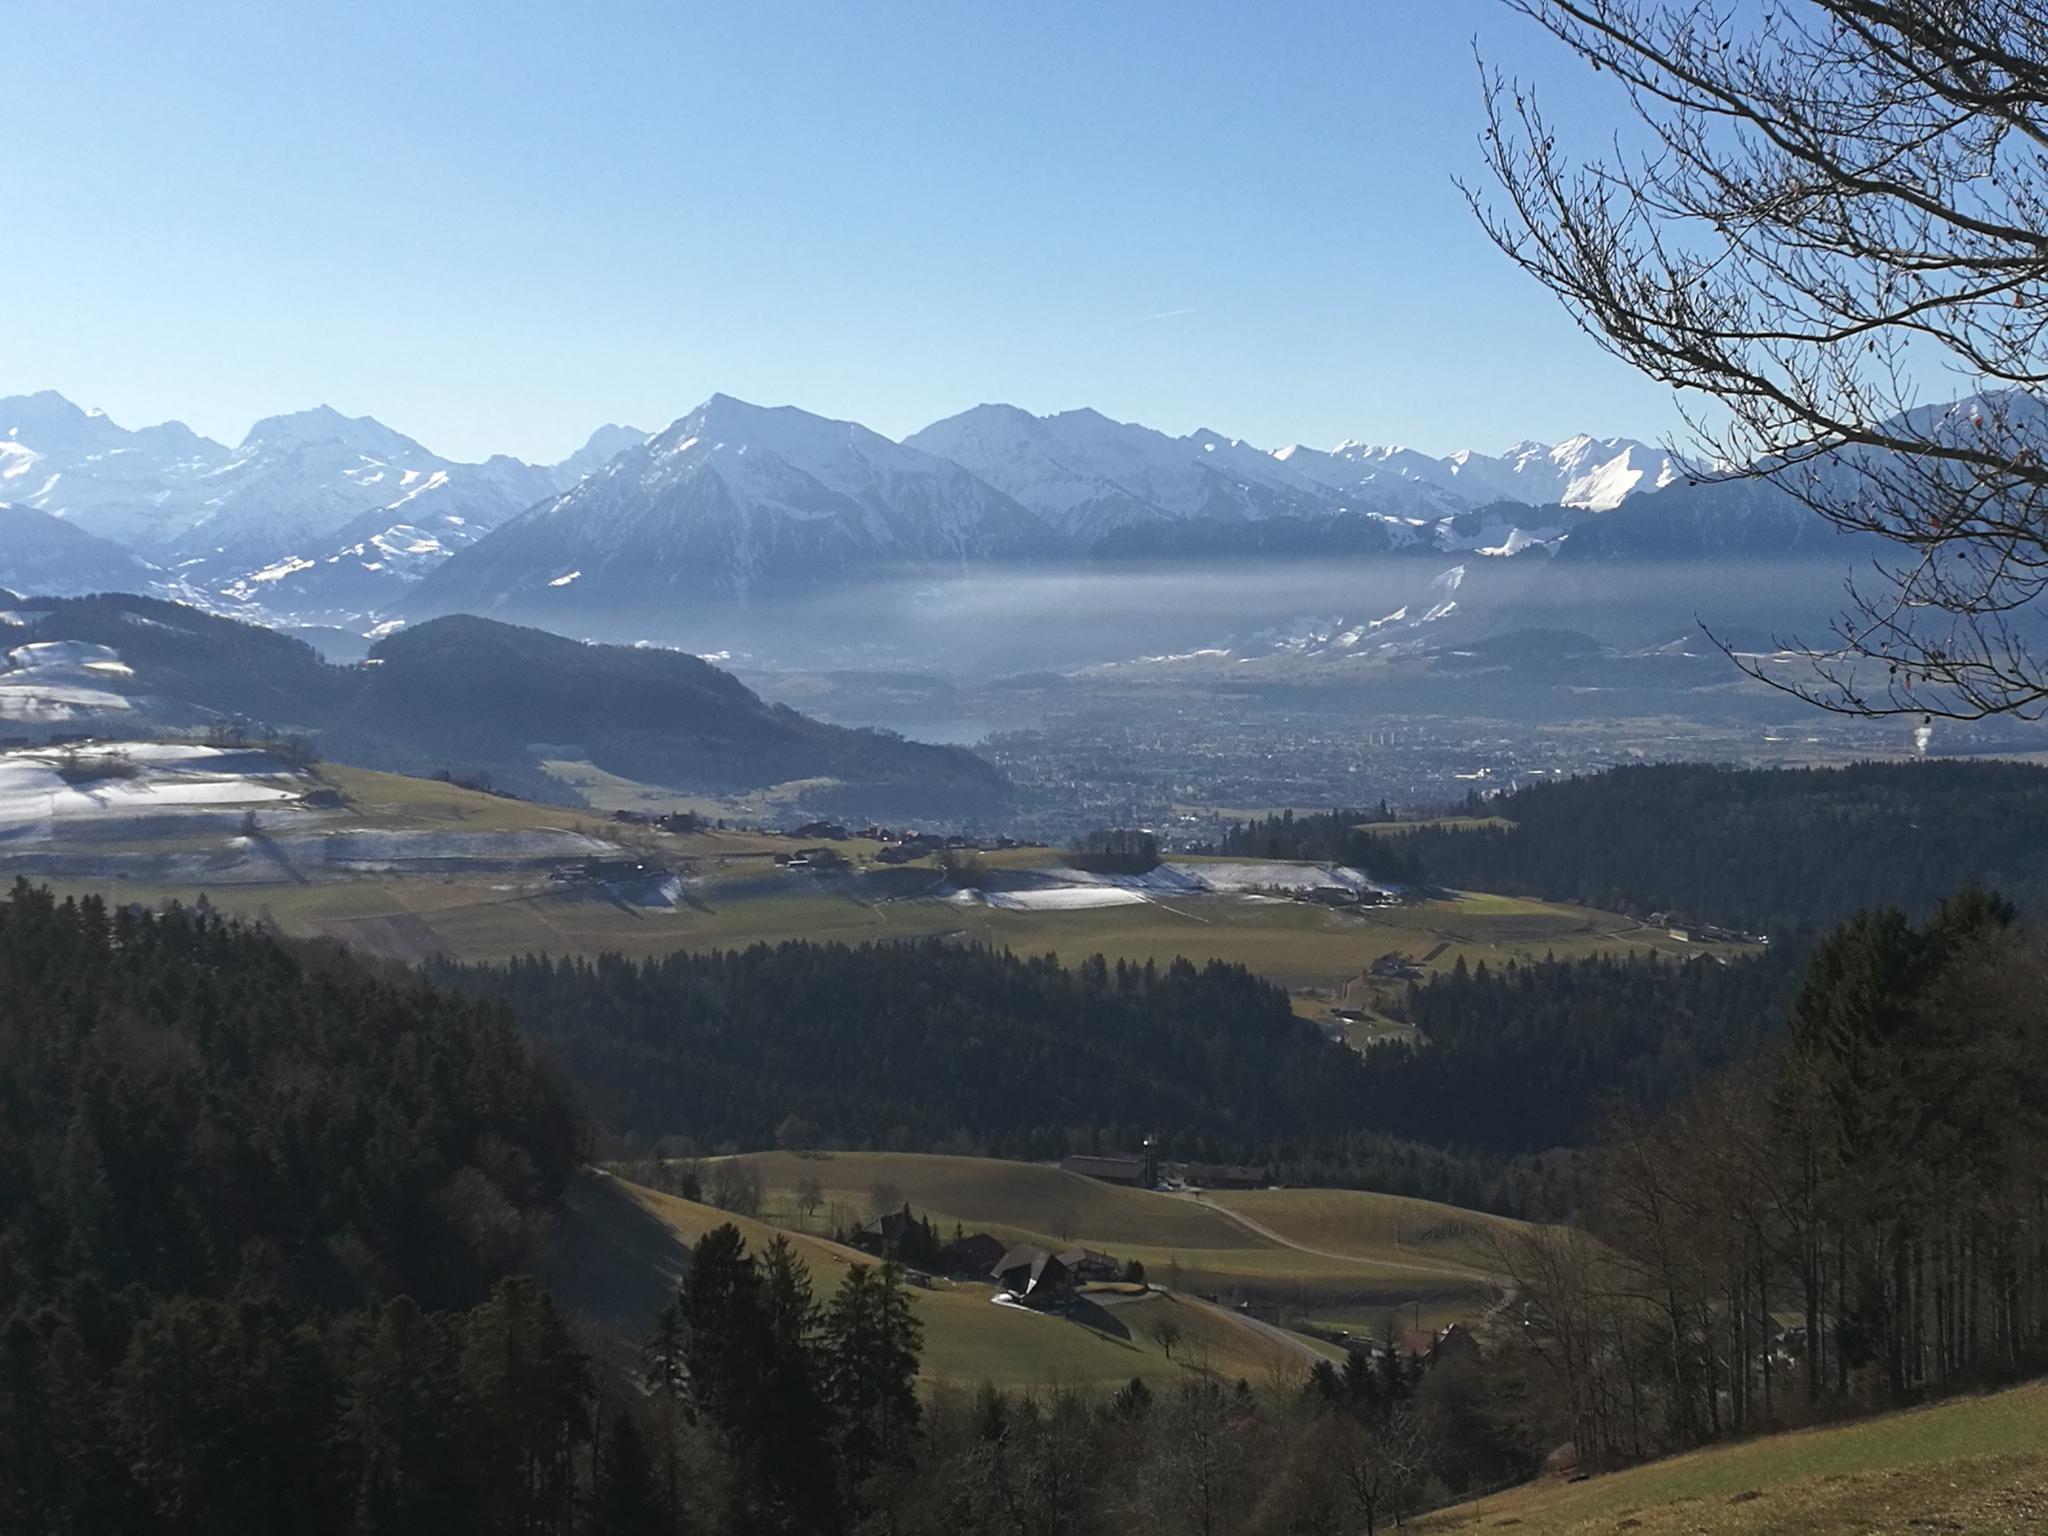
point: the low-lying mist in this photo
(982, 625)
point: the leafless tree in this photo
(1167, 1334)
(1383, 1464)
(736, 1186)
(1834, 203)
(810, 1194)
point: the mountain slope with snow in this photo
(734, 500)
(46, 555)
(1088, 476)
(313, 516)
(1586, 473)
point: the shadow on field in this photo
(1097, 1319)
(608, 1259)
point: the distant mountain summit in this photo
(1584, 473)
(315, 516)
(1088, 476)
(731, 501)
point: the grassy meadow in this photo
(1975, 1467)
(968, 1339)
(1364, 1258)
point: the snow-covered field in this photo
(59, 680)
(126, 781)
(1061, 889)
(1065, 898)
(174, 811)
(1233, 878)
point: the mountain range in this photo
(318, 519)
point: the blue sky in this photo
(494, 227)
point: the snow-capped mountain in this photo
(1120, 488)
(1587, 473)
(731, 500)
(314, 515)
(1087, 475)
(81, 466)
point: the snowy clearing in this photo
(138, 779)
(1065, 898)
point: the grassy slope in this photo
(1979, 1465)
(1353, 1222)
(490, 915)
(477, 917)
(1381, 1254)
(968, 1339)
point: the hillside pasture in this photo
(968, 1339)
(1979, 1465)
(1380, 1255)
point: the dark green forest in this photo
(936, 1046)
(222, 1157)
(1779, 851)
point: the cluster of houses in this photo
(1028, 1274)
(1703, 933)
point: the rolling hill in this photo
(620, 1248)
(473, 694)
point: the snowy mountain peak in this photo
(324, 426)
(599, 449)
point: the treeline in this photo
(221, 1157)
(942, 1047)
(1881, 1178)
(1778, 851)
(913, 1047)
(1519, 1058)
(1329, 837)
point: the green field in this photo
(624, 1259)
(1361, 1257)
(1974, 1466)
(1293, 943)
(1356, 1224)
(492, 909)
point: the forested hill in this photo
(1772, 850)
(913, 1046)
(189, 1108)
(233, 1175)
(935, 1046)
(468, 693)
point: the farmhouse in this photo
(975, 1254)
(1091, 1264)
(1454, 1342)
(886, 1233)
(1035, 1277)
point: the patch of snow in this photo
(1068, 898)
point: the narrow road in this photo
(1260, 1229)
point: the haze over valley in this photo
(1055, 770)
